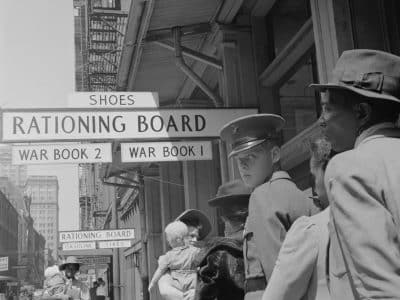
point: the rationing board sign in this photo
(61, 153)
(96, 235)
(146, 124)
(166, 151)
(4, 263)
(79, 246)
(113, 99)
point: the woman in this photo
(300, 271)
(199, 227)
(221, 266)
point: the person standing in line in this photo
(75, 289)
(360, 108)
(101, 291)
(275, 203)
(301, 271)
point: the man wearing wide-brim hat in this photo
(75, 288)
(360, 107)
(274, 204)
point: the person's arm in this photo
(156, 277)
(366, 230)
(294, 267)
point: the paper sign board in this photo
(113, 100)
(70, 125)
(114, 244)
(166, 151)
(79, 246)
(4, 263)
(94, 260)
(61, 154)
(96, 235)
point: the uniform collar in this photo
(280, 175)
(373, 131)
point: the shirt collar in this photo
(280, 175)
(372, 130)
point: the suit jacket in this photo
(364, 191)
(273, 208)
(300, 270)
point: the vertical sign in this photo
(4, 263)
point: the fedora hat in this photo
(194, 215)
(71, 260)
(231, 193)
(370, 73)
(250, 131)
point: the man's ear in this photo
(363, 112)
(275, 154)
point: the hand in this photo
(189, 295)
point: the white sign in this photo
(79, 246)
(165, 151)
(94, 260)
(114, 244)
(69, 125)
(96, 235)
(113, 100)
(4, 263)
(61, 154)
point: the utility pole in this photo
(114, 225)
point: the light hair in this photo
(176, 230)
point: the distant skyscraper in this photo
(44, 208)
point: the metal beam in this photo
(211, 61)
(187, 30)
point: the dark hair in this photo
(321, 153)
(193, 223)
(381, 110)
(236, 213)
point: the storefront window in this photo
(297, 101)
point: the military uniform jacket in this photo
(364, 191)
(273, 208)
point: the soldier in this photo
(274, 204)
(359, 110)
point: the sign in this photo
(79, 246)
(70, 125)
(114, 244)
(166, 151)
(94, 260)
(13, 283)
(4, 263)
(113, 100)
(96, 235)
(61, 154)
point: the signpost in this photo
(113, 99)
(166, 151)
(61, 153)
(4, 263)
(96, 235)
(71, 125)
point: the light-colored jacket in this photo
(364, 191)
(301, 268)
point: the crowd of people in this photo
(342, 243)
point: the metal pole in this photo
(114, 225)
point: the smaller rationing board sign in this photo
(114, 99)
(61, 153)
(79, 246)
(4, 263)
(166, 151)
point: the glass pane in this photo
(286, 18)
(298, 102)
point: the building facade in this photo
(256, 53)
(43, 191)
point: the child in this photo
(54, 284)
(179, 260)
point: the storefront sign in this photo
(166, 151)
(61, 153)
(4, 263)
(79, 246)
(94, 260)
(114, 244)
(113, 100)
(96, 235)
(69, 125)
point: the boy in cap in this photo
(274, 204)
(360, 107)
